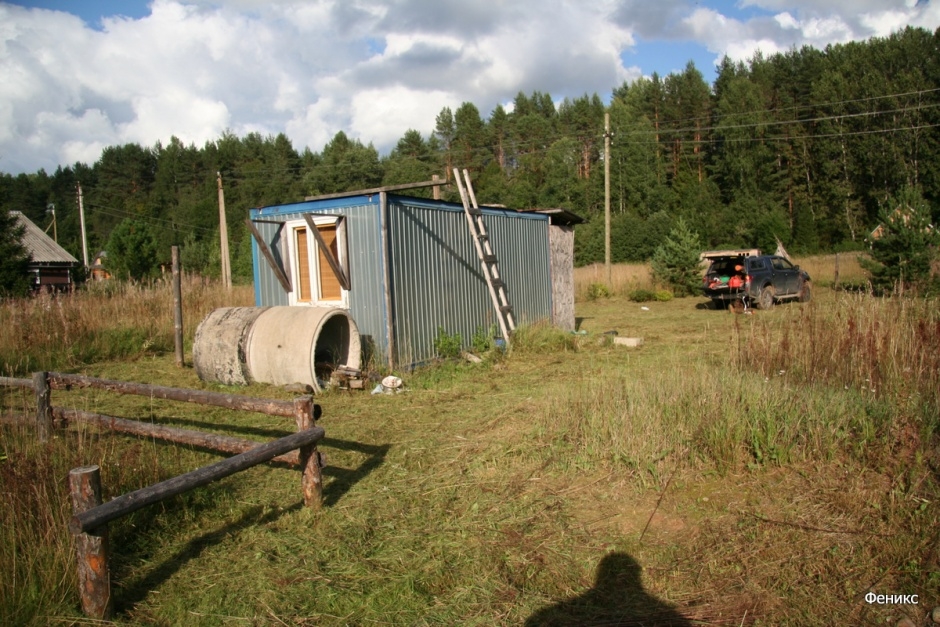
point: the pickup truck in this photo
(741, 278)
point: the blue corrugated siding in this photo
(436, 277)
(436, 280)
(363, 243)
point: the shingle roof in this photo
(42, 247)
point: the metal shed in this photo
(408, 264)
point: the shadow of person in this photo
(617, 599)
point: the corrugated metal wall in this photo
(436, 280)
(436, 277)
(363, 244)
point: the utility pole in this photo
(223, 234)
(81, 218)
(55, 227)
(607, 198)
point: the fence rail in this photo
(91, 517)
(59, 381)
(16, 383)
(212, 441)
(138, 499)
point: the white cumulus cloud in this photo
(371, 68)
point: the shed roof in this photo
(41, 247)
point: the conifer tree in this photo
(905, 246)
(14, 258)
(675, 262)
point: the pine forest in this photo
(806, 146)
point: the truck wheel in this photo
(805, 293)
(765, 300)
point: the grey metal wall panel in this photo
(364, 254)
(437, 282)
(435, 274)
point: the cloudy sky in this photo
(79, 75)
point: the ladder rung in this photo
(474, 212)
(498, 283)
(489, 259)
(506, 309)
(483, 237)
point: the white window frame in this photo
(313, 261)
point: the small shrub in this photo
(598, 290)
(446, 345)
(641, 295)
(483, 340)
(663, 295)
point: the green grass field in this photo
(764, 469)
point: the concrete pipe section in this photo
(277, 345)
(220, 346)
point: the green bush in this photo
(641, 295)
(598, 290)
(663, 296)
(483, 340)
(446, 345)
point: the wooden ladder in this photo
(488, 261)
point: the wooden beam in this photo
(387, 280)
(60, 381)
(43, 405)
(94, 569)
(311, 481)
(133, 501)
(377, 190)
(177, 306)
(269, 256)
(211, 441)
(331, 261)
(17, 383)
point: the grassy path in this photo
(561, 485)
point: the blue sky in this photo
(91, 11)
(81, 75)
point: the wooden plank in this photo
(220, 443)
(59, 381)
(269, 257)
(43, 405)
(94, 571)
(378, 190)
(387, 281)
(299, 238)
(16, 383)
(311, 481)
(133, 501)
(327, 253)
(177, 306)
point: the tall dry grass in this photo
(37, 554)
(887, 348)
(103, 321)
(822, 268)
(625, 277)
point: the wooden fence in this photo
(91, 516)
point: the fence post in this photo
(94, 573)
(177, 306)
(312, 480)
(43, 405)
(835, 279)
